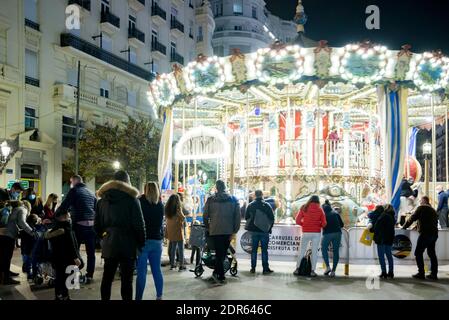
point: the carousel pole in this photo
(318, 139)
(447, 146)
(232, 166)
(434, 158)
(183, 161)
(247, 145)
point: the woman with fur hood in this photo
(119, 223)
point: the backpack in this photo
(305, 267)
(4, 217)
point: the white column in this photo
(346, 146)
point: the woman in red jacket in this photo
(312, 220)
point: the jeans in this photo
(221, 244)
(196, 255)
(442, 217)
(7, 245)
(382, 251)
(335, 239)
(152, 253)
(126, 270)
(426, 242)
(87, 235)
(264, 239)
(307, 237)
(176, 245)
(30, 265)
(61, 290)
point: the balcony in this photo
(109, 22)
(136, 37)
(176, 27)
(70, 40)
(237, 33)
(137, 5)
(85, 4)
(158, 48)
(158, 15)
(32, 81)
(175, 57)
(31, 24)
(190, 35)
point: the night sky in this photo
(423, 24)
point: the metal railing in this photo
(32, 81)
(137, 34)
(70, 40)
(175, 24)
(158, 11)
(157, 46)
(107, 17)
(82, 3)
(32, 24)
(175, 57)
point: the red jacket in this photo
(312, 220)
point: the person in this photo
(175, 226)
(331, 235)
(120, 224)
(153, 214)
(222, 220)
(27, 243)
(50, 208)
(37, 207)
(312, 220)
(442, 208)
(427, 222)
(333, 139)
(406, 188)
(383, 237)
(8, 236)
(373, 216)
(80, 202)
(15, 192)
(255, 208)
(65, 252)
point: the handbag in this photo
(305, 267)
(261, 221)
(367, 237)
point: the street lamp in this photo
(116, 165)
(427, 151)
(6, 150)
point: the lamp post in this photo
(116, 165)
(427, 151)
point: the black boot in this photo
(383, 275)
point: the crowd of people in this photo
(132, 227)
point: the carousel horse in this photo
(408, 205)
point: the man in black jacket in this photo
(427, 219)
(80, 202)
(119, 222)
(259, 210)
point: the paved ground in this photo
(281, 285)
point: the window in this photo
(174, 12)
(239, 28)
(104, 89)
(72, 77)
(3, 48)
(173, 48)
(30, 118)
(218, 9)
(105, 6)
(238, 7)
(132, 98)
(132, 22)
(106, 42)
(255, 12)
(154, 35)
(132, 55)
(68, 132)
(31, 10)
(31, 64)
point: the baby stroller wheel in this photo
(199, 271)
(38, 280)
(233, 271)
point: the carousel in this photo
(295, 120)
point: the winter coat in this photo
(153, 214)
(333, 219)
(427, 219)
(384, 230)
(119, 220)
(17, 222)
(442, 200)
(63, 243)
(80, 202)
(261, 207)
(222, 214)
(312, 219)
(175, 227)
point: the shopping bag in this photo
(367, 237)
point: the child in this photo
(27, 244)
(175, 228)
(64, 251)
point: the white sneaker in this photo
(332, 274)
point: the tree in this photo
(134, 144)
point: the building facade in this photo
(247, 25)
(120, 44)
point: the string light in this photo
(431, 63)
(164, 90)
(197, 71)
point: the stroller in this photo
(41, 259)
(200, 241)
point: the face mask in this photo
(15, 195)
(32, 197)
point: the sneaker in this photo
(268, 271)
(390, 275)
(419, 276)
(159, 298)
(313, 274)
(332, 274)
(253, 270)
(182, 268)
(296, 272)
(432, 277)
(327, 271)
(383, 275)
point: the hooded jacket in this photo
(63, 243)
(17, 222)
(222, 214)
(119, 220)
(333, 219)
(384, 229)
